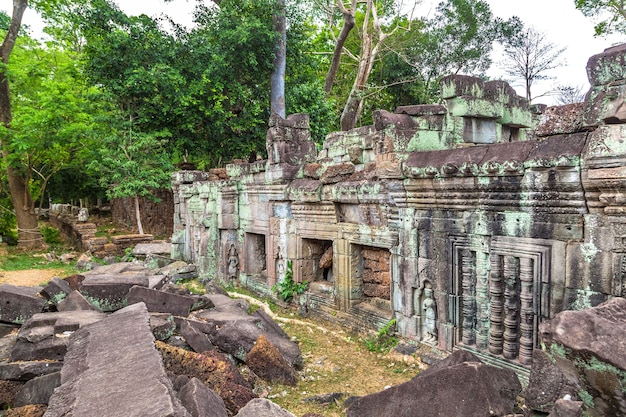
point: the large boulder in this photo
(212, 368)
(588, 348)
(166, 302)
(112, 368)
(18, 304)
(200, 400)
(266, 361)
(459, 386)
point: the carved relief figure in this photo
(233, 262)
(429, 315)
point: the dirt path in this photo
(28, 277)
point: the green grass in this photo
(16, 261)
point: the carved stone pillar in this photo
(497, 306)
(482, 300)
(511, 307)
(527, 319)
(469, 298)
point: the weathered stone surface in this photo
(266, 361)
(76, 301)
(45, 335)
(112, 367)
(56, 290)
(162, 302)
(26, 370)
(196, 335)
(74, 281)
(598, 331)
(567, 408)
(110, 292)
(18, 304)
(238, 337)
(38, 390)
(459, 386)
(560, 120)
(153, 248)
(200, 400)
(261, 407)
(162, 325)
(587, 346)
(212, 368)
(608, 66)
(546, 384)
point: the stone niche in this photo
(470, 223)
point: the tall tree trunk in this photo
(29, 236)
(277, 93)
(138, 215)
(348, 24)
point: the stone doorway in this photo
(256, 255)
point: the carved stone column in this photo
(497, 306)
(469, 298)
(527, 315)
(482, 300)
(511, 307)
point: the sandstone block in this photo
(18, 304)
(200, 400)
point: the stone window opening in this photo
(317, 264)
(256, 255)
(375, 273)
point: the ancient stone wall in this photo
(479, 225)
(156, 216)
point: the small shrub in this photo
(384, 340)
(51, 235)
(288, 288)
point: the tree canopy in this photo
(611, 14)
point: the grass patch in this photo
(16, 261)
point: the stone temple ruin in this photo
(469, 223)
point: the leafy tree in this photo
(611, 12)
(29, 235)
(570, 94)
(530, 57)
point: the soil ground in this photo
(29, 277)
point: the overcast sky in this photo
(563, 24)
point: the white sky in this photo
(563, 24)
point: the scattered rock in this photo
(458, 386)
(266, 361)
(56, 290)
(38, 390)
(115, 359)
(18, 304)
(109, 292)
(212, 368)
(164, 302)
(260, 407)
(200, 400)
(162, 325)
(26, 370)
(75, 301)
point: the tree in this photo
(29, 235)
(569, 94)
(530, 57)
(277, 82)
(612, 13)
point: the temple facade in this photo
(469, 223)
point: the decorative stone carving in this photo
(233, 263)
(429, 316)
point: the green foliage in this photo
(287, 288)
(611, 15)
(385, 340)
(19, 261)
(51, 235)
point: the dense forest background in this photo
(109, 104)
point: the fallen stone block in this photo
(74, 281)
(546, 384)
(261, 407)
(153, 248)
(110, 292)
(200, 400)
(163, 302)
(195, 335)
(56, 290)
(45, 335)
(214, 369)
(112, 368)
(567, 408)
(266, 361)
(458, 386)
(27, 370)
(588, 348)
(162, 325)
(75, 301)
(38, 390)
(18, 304)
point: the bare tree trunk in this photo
(348, 24)
(29, 236)
(277, 93)
(138, 215)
